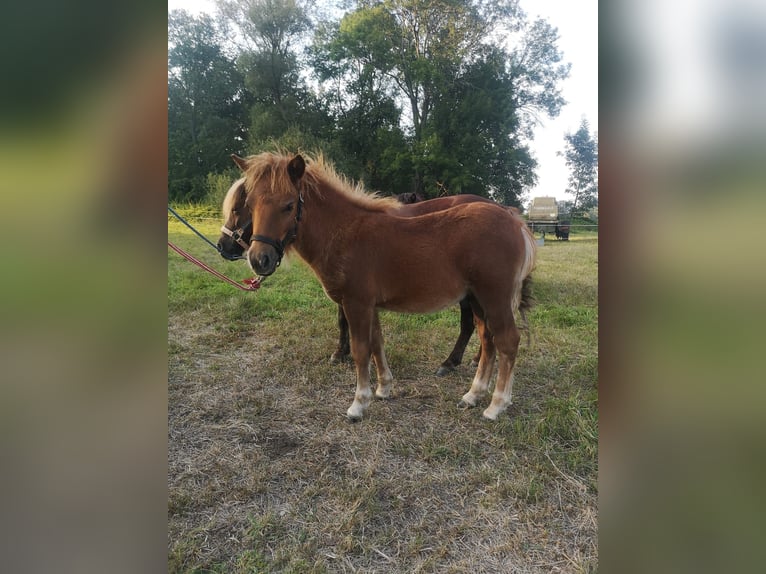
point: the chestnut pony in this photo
(237, 231)
(367, 258)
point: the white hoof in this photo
(383, 391)
(355, 412)
(489, 415)
(469, 400)
(493, 411)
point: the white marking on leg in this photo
(361, 402)
(363, 395)
(384, 388)
(500, 401)
(478, 386)
(385, 377)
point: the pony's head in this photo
(410, 197)
(237, 227)
(274, 202)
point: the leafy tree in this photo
(460, 93)
(477, 149)
(581, 153)
(206, 105)
(270, 31)
(402, 52)
(537, 68)
(434, 96)
(359, 98)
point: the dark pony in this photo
(411, 197)
(368, 259)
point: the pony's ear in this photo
(295, 168)
(241, 162)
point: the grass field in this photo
(266, 475)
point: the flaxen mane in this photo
(319, 173)
(232, 197)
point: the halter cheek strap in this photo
(237, 234)
(280, 245)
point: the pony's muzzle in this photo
(229, 250)
(264, 261)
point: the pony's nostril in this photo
(264, 261)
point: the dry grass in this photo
(266, 475)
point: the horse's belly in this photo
(428, 304)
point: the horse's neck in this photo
(324, 229)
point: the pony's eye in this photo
(288, 208)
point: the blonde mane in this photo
(319, 174)
(230, 199)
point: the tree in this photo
(270, 31)
(433, 96)
(581, 155)
(459, 91)
(404, 51)
(476, 148)
(537, 68)
(206, 105)
(357, 94)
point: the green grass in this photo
(266, 475)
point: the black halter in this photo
(281, 244)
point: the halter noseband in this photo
(238, 234)
(281, 244)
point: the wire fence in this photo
(537, 227)
(572, 225)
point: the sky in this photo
(577, 24)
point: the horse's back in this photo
(431, 261)
(494, 221)
(439, 204)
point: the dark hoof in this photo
(354, 419)
(336, 358)
(464, 405)
(444, 370)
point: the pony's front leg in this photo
(360, 322)
(385, 377)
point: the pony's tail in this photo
(526, 300)
(526, 303)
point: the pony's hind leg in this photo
(360, 322)
(507, 342)
(476, 358)
(486, 365)
(466, 330)
(385, 378)
(344, 348)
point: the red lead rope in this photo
(251, 284)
